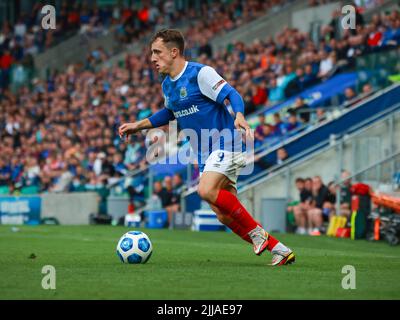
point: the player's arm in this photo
(213, 86)
(158, 119)
(237, 104)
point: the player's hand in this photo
(127, 129)
(241, 124)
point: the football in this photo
(134, 247)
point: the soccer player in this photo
(194, 95)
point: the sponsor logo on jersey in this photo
(215, 87)
(186, 112)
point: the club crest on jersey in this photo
(183, 93)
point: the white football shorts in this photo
(226, 162)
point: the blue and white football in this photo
(134, 247)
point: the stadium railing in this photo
(380, 176)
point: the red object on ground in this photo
(343, 232)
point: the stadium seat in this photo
(30, 190)
(4, 190)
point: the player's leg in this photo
(210, 189)
(211, 183)
(222, 171)
(228, 221)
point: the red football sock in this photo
(236, 228)
(231, 205)
(242, 222)
(272, 242)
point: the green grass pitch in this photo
(189, 265)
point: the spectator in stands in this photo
(259, 131)
(6, 60)
(292, 123)
(265, 132)
(349, 97)
(32, 172)
(300, 210)
(177, 184)
(169, 199)
(160, 193)
(327, 64)
(328, 209)
(5, 173)
(295, 85)
(279, 127)
(276, 93)
(319, 197)
(175, 187)
(345, 194)
(320, 115)
(302, 110)
(78, 180)
(308, 184)
(309, 78)
(281, 156)
(367, 90)
(259, 96)
(205, 48)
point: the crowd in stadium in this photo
(19, 42)
(317, 203)
(61, 135)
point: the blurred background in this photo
(323, 101)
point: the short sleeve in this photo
(212, 85)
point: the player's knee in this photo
(206, 193)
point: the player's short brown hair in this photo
(171, 38)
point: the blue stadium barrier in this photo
(317, 95)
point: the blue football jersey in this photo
(196, 98)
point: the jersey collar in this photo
(180, 74)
